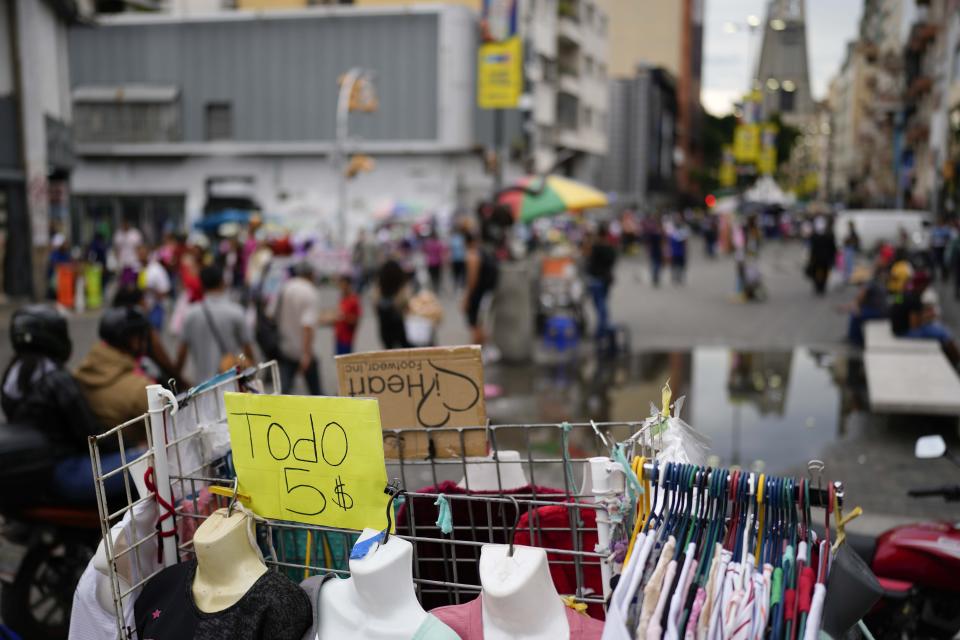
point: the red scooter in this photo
(918, 566)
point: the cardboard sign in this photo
(310, 459)
(424, 389)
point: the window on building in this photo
(602, 71)
(218, 121)
(122, 114)
(603, 122)
(548, 67)
(567, 111)
(588, 13)
(602, 24)
(587, 117)
(588, 66)
(786, 101)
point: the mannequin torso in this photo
(519, 599)
(378, 600)
(227, 562)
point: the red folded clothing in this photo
(566, 527)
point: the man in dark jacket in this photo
(823, 254)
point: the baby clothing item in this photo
(272, 609)
(467, 621)
(432, 628)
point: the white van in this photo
(876, 225)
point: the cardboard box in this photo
(429, 388)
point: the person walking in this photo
(392, 298)
(458, 258)
(435, 252)
(126, 242)
(154, 281)
(940, 237)
(214, 330)
(952, 258)
(823, 253)
(601, 258)
(347, 317)
(678, 236)
(297, 315)
(851, 247)
(482, 276)
(653, 234)
(366, 256)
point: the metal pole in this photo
(161, 470)
(343, 113)
(498, 149)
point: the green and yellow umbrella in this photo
(534, 197)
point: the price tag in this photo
(310, 459)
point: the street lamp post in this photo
(347, 86)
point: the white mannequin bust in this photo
(482, 472)
(378, 600)
(228, 563)
(519, 599)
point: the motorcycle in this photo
(918, 566)
(43, 552)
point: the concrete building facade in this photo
(36, 154)
(175, 112)
(639, 167)
(667, 35)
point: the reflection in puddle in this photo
(762, 410)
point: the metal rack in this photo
(530, 469)
(555, 465)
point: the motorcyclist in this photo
(38, 390)
(110, 373)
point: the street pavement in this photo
(871, 454)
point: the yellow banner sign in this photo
(746, 142)
(767, 160)
(728, 168)
(499, 74)
(310, 459)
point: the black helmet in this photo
(39, 328)
(119, 324)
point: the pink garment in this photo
(467, 621)
(186, 523)
(698, 601)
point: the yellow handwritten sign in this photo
(310, 459)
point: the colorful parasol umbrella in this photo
(549, 196)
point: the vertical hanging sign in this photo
(500, 74)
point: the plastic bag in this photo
(679, 441)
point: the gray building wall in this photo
(642, 136)
(279, 74)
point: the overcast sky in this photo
(727, 60)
